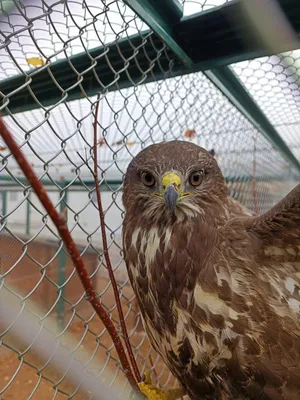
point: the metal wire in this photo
(274, 84)
(194, 6)
(57, 140)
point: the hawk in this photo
(218, 289)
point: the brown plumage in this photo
(218, 289)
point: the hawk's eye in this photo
(147, 178)
(196, 178)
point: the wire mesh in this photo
(195, 6)
(34, 265)
(274, 84)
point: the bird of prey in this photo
(218, 289)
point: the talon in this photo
(154, 393)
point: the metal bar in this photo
(169, 11)
(44, 88)
(224, 35)
(206, 40)
(7, 6)
(160, 18)
(4, 202)
(62, 258)
(222, 77)
(229, 178)
(28, 212)
(77, 188)
(6, 183)
(226, 80)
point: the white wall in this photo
(83, 217)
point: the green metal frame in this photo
(6, 183)
(224, 35)
(193, 37)
(7, 5)
(225, 79)
(116, 185)
(160, 16)
(208, 40)
(4, 203)
(95, 66)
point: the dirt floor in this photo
(26, 377)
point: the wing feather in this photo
(275, 294)
(280, 226)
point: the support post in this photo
(4, 202)
(3, 210)
(62, 258)
(28, 211)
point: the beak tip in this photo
(171, 196)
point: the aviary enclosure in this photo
(84, 86)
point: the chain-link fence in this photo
(274, 84)
(55, 57)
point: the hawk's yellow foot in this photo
(154, 393)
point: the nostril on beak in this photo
(177, 187)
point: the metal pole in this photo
(62, 257)
(4, 202)
(28, 210)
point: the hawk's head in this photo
(174, 178)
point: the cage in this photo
(216, 73)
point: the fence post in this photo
(62, 257)
(4, 202)
(28, 210)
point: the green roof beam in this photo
(203, 41)
(226, 80)
(160, 16)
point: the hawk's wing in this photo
(237, 209)
(280, 227)
(278, 233)
(275, 299)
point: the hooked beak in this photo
(171, 195)
(171, 183)
(172, 190)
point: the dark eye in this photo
(147, 179)
(196, 178)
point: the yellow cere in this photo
(171, 178)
